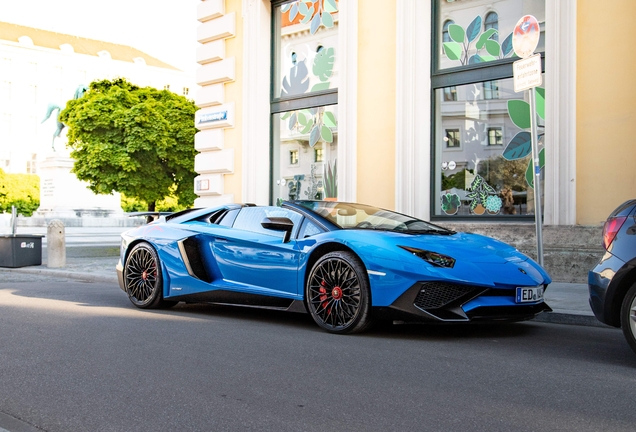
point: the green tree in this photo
(21, 191)
(138, 141)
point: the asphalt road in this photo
(79, 357)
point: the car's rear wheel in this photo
(337, 293)
(143, 280)
(628, 317)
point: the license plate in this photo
(529, 294)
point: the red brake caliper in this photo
(323, 296)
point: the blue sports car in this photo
(343, 263)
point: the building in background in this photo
(39, 68)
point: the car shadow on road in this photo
(595, 342)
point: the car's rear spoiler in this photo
(152, 216)
(167, 215)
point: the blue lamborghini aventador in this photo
(343, 263)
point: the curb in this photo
(86, 277)
(569, 319)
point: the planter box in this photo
(20, 250)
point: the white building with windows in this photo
(39, 68)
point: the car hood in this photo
(476, 257)
(473, 247)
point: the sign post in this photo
(527, 75)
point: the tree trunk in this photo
(152, 205)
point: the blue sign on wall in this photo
(213, 117)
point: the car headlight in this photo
(430, 257)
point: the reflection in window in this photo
(452, 138)
(305, 84)
(312, 132)
(445, 34)
(482, 162)
(305, 47)
(488, 173)
(250, 219)
(491, 90)
(450, 93)
(486, 177)
(492, 22)
(469, 36)
(495, 136)
(293, 157)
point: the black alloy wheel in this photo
(628, 317)
(142, 276)
(337, 293)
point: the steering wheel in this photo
(364, 224)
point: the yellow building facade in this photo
(395, 122)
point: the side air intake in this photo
(190, 249)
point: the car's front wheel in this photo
(628, 317)
(143, 280)
(337, 293)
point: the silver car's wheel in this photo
(628, 317)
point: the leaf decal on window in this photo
(329, 119)
(453, 50)
(330, 6)
(456, 33)
(314, 136)
(540, 102)
(519, 112)
(323, 64)
(506, 45)
(326, 134)
(292, 121)
(475, 59)
(492, 47)
(518, 147)
(484, 37)
(327, 19)
(297, 82)
(315, 23)
(473, 29)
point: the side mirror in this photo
(279, 224)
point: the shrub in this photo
(21, 191)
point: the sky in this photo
(165, 29)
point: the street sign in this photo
(526, 76)
(525, 36)
(526, 73)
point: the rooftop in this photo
(48, 39)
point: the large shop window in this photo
(481, 141)
(304, 110)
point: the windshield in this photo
(360, 216)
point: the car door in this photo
(255, 259)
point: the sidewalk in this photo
(569, 301)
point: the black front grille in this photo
(435, 295)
